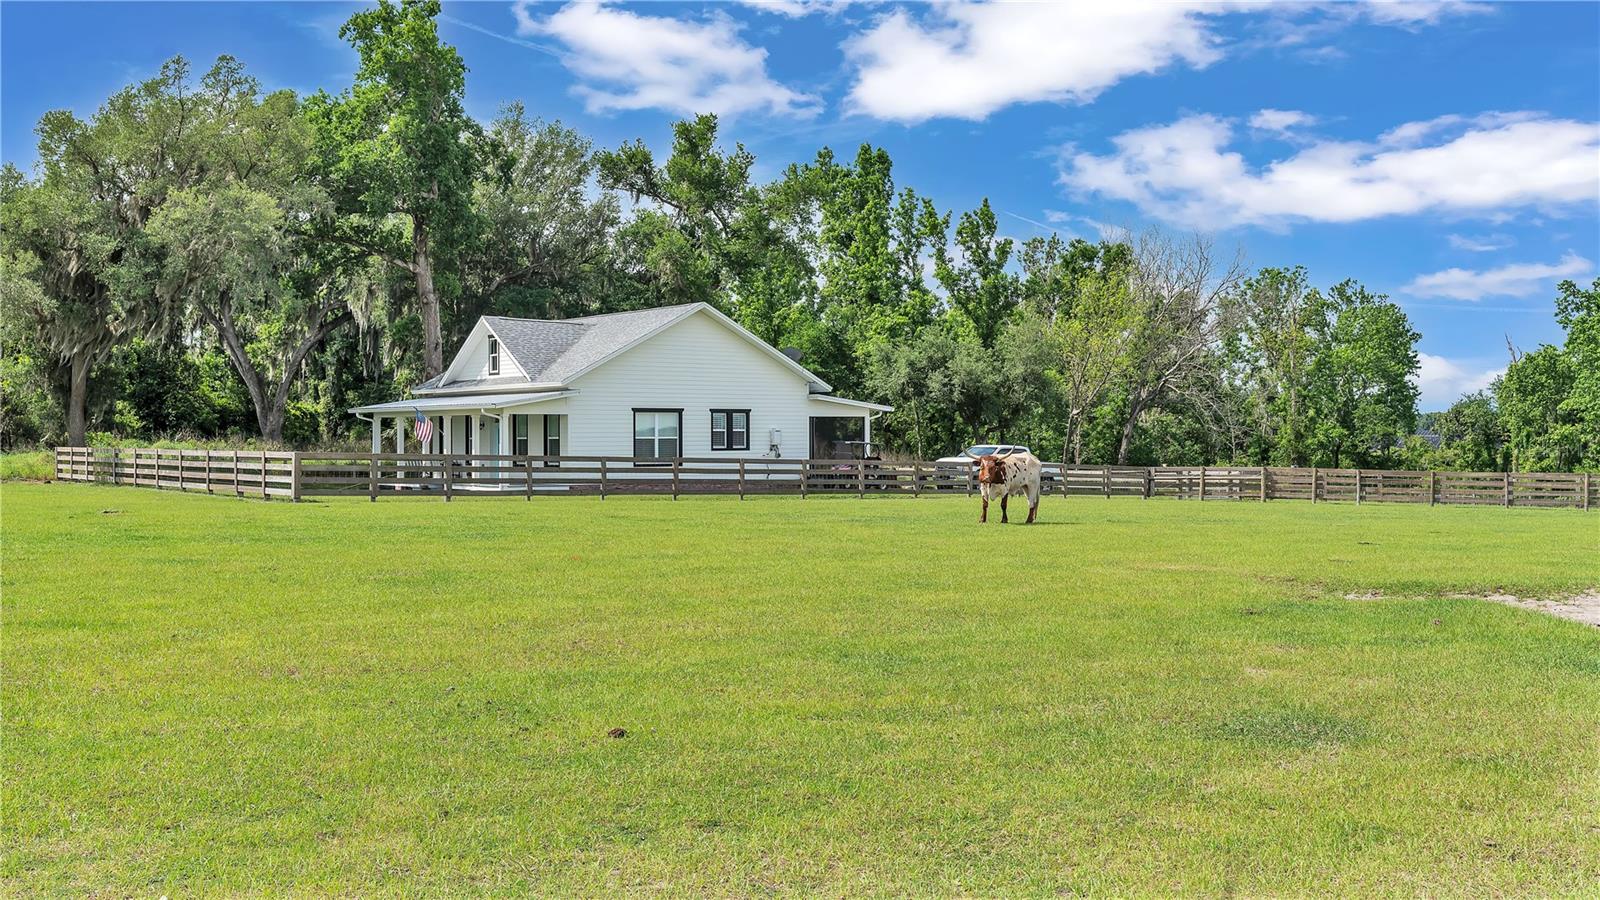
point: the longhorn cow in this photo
(1004, 474)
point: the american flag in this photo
(422, 427)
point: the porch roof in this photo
(859, 404)
(460, 402)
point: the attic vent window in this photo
(494, 355)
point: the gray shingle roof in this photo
(552, 351)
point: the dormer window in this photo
(494, 355)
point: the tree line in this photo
(204, 258)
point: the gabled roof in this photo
(556, 351)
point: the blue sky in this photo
(1447, 154)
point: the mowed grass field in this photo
(207, 695)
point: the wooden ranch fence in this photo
(256, 473)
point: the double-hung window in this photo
(730, 429)
(656, 435)
(494, 355)
(519, 434)
(552, 438)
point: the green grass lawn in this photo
(823, 696)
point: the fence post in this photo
(372, 478)
(294, 475)
(1063, 480)
(1263, 484)
(1358, 487)
(1507, 499)
(116, 455)
(1202, 484)
(1314, 484)
(861, 479)
(233, 457)
(1105, 480)
(675, 461)
(602, 478)
(916, 478)
(529, 483)
(1432, 490)
(1149, 476)
(208, 471)
(1584, 505)
(263, 474)
(741, 479)
(449, 476)
(183, 463)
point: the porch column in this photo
(377, 433)
(444, 434)
(475, 438)
(505, 446)
(399, 435)
(866, 428)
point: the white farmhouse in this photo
(678, 381)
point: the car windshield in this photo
(982, 450)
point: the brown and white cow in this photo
(1004, 475)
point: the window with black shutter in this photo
(730, 429)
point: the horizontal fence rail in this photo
(258, 473)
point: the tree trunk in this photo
(1136, 405)
(427, 301)
(270, 420)
(77, 400)
(272, 409)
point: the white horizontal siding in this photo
(697, 365)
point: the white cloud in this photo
(1515, 280)
(1441, 381)
(1482, 244)
(628, 61)
(1281, 122)
(795, 9)
(968, 60)
(1185, 173)
(1411, 13)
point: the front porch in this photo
(485, 424)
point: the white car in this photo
(966, 456)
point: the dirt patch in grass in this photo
(1583, 608)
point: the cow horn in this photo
(1007, 453)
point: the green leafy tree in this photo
(1054, 271)
(77, 231)
(398, 154)
(544, 249)
(1363, 401)
(981, 290)
(1271, 352)
(269, 293)
(1531, 396)
(871, 244)
(1471, 436)
(685, 245)
(1578, 311)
